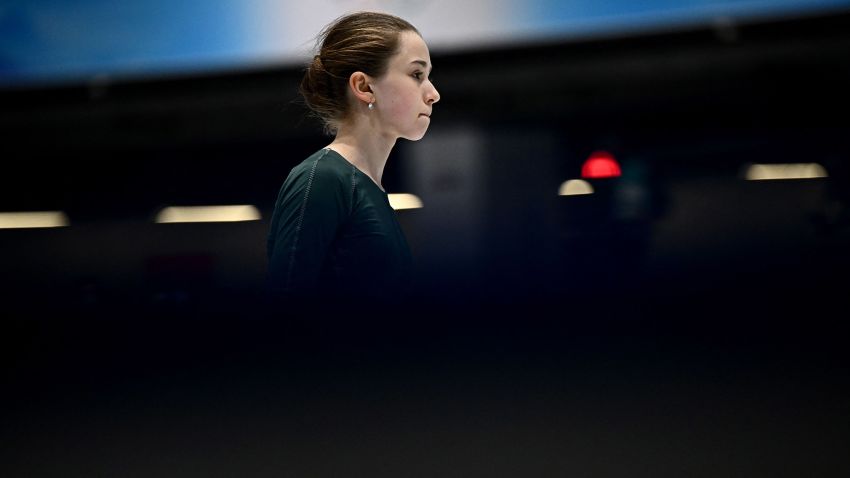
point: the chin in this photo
(416, 136)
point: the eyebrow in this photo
(421, 62)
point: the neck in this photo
(363, 147)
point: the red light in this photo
(600, 164)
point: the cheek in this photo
(401, 103)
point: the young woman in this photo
(333, 234)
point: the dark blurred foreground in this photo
(724, 380)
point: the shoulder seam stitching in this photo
(353, 183)
(300, 221)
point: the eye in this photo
(418, 75)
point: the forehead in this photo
(411, 48)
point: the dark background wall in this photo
(681, 320)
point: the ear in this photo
(360, 85)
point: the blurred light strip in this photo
(404, 201)
(575, 187)
(34, 219)
(174, 214)
(760, 172)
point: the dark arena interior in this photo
(681, 320)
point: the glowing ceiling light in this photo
(600, 164)
(760, 172)
(575, 187)
(34, 219)
(238, 213)
(404, 201)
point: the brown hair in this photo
(362, 41)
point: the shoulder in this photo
(323, 168)
(322, 177)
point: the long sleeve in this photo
(313, 204)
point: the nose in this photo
(432, 96)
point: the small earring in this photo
(371, 106)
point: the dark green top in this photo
(334, 234)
